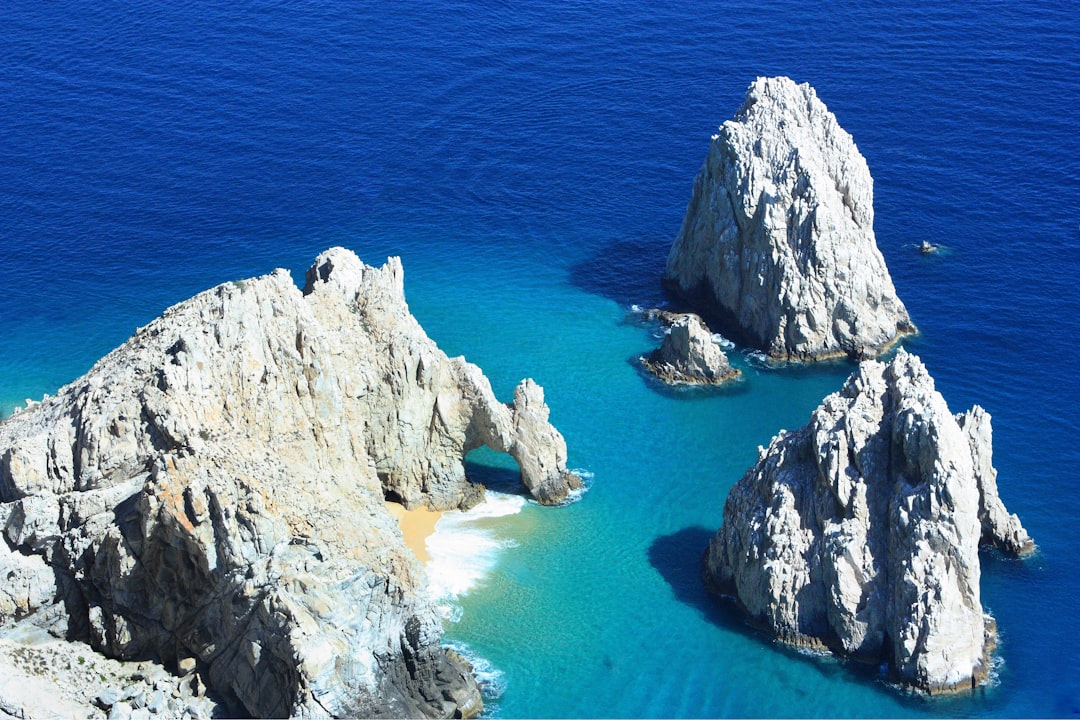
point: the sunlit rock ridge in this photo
(778, 239)
(211, 494)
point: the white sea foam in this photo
(758, 359)
(464, 550)
(586, 484)
(586, 475)
(807, 651)
(722, 341)
(993, 678)
(637, 308)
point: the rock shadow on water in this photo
(626, 271)
(678, 559)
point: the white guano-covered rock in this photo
(778, 238)
(859, 533)
(211, 494)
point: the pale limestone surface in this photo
(44, 678)
(212, 493)
(688, 354)
(778, 237)
(860, 532)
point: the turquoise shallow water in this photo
(531, 165)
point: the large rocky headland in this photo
(860, 532)
(209, 497)
(778, 241)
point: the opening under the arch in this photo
(494, 470)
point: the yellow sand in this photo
(416, 525)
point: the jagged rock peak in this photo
(778, 238)
(211, 494)
(688, 354)
(859, 533)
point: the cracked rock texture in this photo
(211, 494)
(688, 354)
(778, 238)
(45, 678)
(860, 532)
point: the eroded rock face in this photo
(213, 491)
(688, 354)
(859, 533)
(778, 237)
(442, 408)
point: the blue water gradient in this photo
(531, 163)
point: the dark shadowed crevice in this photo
(494, 470)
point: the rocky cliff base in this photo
(860, 532)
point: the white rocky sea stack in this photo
(778, 238)
(688, 354)
(860, 532)
(211, 495)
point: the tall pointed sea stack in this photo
(778, 238)
(859, 533)
(211, 494)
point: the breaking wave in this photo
(464, 550)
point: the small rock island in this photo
(211, 496)
(688, 354)
(860, 532)
(778, 239)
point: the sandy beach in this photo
(416, 525)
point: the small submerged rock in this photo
(860, 532)
(689, 355)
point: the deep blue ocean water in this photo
(531, 164)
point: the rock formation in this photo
(212, 494)
(859, 533)
(688, 355)
(778, 239)
(44, 678)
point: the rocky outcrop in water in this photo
(778, 238)
(211, 494)
(859, 533)
(688, 354)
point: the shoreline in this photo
(417, 526)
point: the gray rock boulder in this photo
(778, 238)
(211, 494)
(860, 532)
(688, 354)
